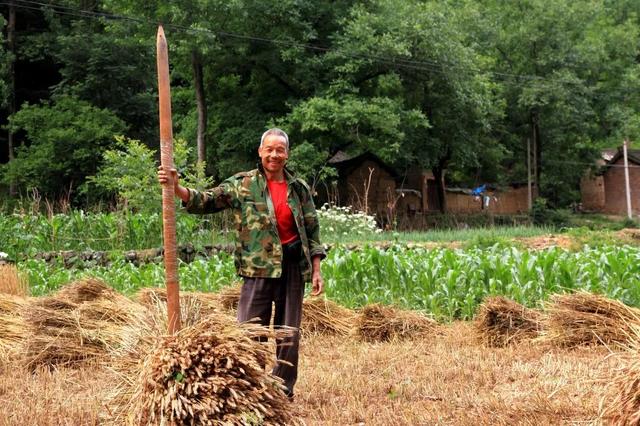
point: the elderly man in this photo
(277, 242)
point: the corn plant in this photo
(449, 283)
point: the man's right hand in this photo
(169, 176)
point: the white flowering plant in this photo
(338, 222)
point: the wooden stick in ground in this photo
(168, 203)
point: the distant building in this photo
(367, 181)
(603, 187)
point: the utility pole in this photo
(534, 124)
(530, 193)
(11, 42)
(626, 178)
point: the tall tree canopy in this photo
(456, 86)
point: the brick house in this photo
(390, 194)
(603, 190)
(364, 182)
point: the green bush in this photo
(129, 171)
(65, 139)
(542, 215)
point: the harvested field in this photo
(322, 316)
(408, 370)
(193, 306)
(85, 320)
(229, 297)
(445, 379)
(12, 326)
(624, 394)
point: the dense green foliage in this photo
(26, 234)
(456, 85)
(66, 138)
(445, 282)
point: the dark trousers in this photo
(286, 293)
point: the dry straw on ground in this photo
(500, 322)
(193, 305)
(84, 320)
(210, 373)
(623, 409)
(12, 326)
(11, 281)
(583, 318)
(229, 296)
(378, 323)
(322, 316)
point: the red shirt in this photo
(284, 216)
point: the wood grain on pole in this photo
(168, 201)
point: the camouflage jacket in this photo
(258, 251)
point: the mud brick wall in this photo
(614, 184)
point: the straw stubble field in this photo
(448, 378)
(91, 356)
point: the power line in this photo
(579, 163)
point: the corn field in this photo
(448, 283)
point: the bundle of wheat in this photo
(79, 323)
(322, 316)
(11, 281)
(193, 305)
(624, 407)
(583, 318)
(209, 373)
(229, 296)
(86, 290)
(12, 326)
(501, 321)
(378, 323)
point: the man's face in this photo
(273, 153)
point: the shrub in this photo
(65, 139)
(541, 214)
(130, 172)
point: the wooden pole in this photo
(529, 191)
(626, 179)
(168, 200)
(535, 157)
(11, 42)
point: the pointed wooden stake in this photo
(168, 201)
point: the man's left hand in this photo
(317, 284)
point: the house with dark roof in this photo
(603, 187)
(367, 183)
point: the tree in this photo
(65, 138)
(404, 85)
(562, 82)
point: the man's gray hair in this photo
(277, 132)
